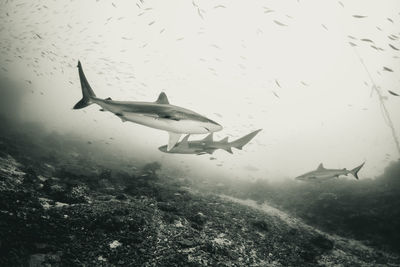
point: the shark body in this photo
(321, 174)
(208, 145)
(159, 114)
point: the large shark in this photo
(159, 114)
(321, 174)
(208, 145)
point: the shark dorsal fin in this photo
(162, 99)
(173, 139)
(184, 143)
(108, 98)
(225, 140)
(321, 167)
(229, 149)
(208, 137)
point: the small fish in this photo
(387, 69)
(393, 47)
(151, 23)
(303, 83)
(393, 93)
(324, 26)
(217, 114)
(340, 3)
(352, 44)
(359, 16)
(277, 83)
(376, 48)
(275, 94)
(367, 40)
(279, 23)
(389, 19)
(199, 12)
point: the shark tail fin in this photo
(355, 171)
(241, 142)
(87, 91)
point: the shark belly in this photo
(180, 126)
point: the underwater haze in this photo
(287, 68)
(320, 79)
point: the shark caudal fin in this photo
(87, 91)
(355, 171)
(241, 142)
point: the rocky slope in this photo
(52, 217)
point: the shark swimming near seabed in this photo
(322, 174)
(208, 145)
(159, 114)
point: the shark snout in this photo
(213, 126)
(163, 149)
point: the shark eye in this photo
(206, 129)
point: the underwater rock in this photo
(40, 260)
(322, 242)
(261, 225)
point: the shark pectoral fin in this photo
(173, 139)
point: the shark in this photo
(159, 114)
(208, 145)
(322, 174)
